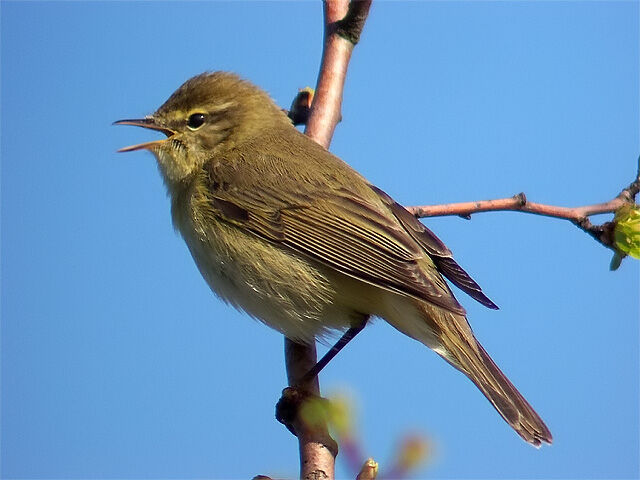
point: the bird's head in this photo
(208, 115)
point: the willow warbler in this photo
(284, 230)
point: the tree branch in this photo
(343, 22)
(579, 216)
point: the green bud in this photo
(626, 234)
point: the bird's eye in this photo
(196, 121)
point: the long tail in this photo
(465, 353)
(507, 400)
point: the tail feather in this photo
(464, 352)
(510, 403)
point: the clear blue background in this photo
(117, 361)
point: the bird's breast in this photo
(283, 289)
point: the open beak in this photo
(147, 122)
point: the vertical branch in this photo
(326, 107)
(343, 23)
(316, 449)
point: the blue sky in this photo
(118, 362)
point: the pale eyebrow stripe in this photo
(223, 106)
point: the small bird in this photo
(286, 231)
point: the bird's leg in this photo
(340, 344)
(288, 407)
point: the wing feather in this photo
(334, 216)
(341, 230)
(441, 255)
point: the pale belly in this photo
(277, 286)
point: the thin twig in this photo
(579, 216)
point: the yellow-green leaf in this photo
(627, 230)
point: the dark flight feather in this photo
(440, 254)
